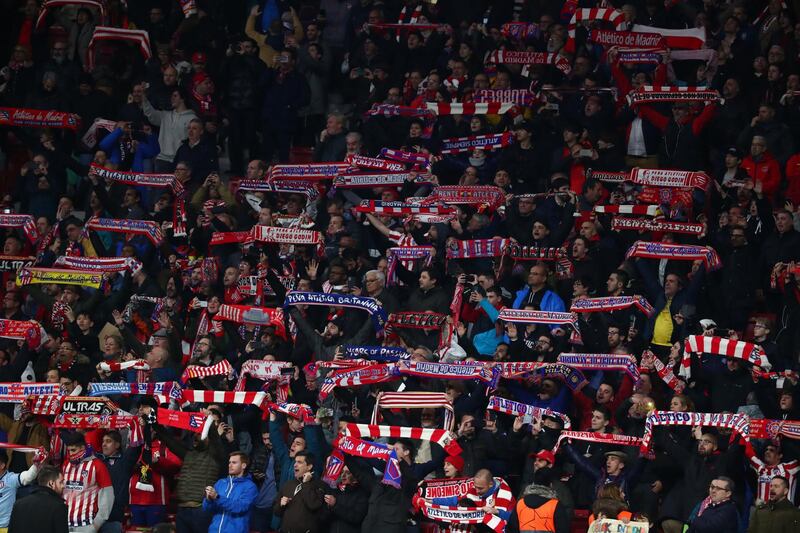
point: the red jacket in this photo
(765, 171)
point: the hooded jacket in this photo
(534, 497)
(232, 507)
(172, 128)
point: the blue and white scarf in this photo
(365, 303)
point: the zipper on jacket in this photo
(230, 488)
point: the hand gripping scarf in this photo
(514, 57)
(115, 366)
(668, 226)
(738, 423)
(61, 276)
(771, 429)
(372, 450)
(460, 515)
(412, 158)
(415, 400)
(306, 188)
(474, 108)
(611, 439)
(510, 407)
(745, 351)
(119, 421)
(676, 252)
(688, 39)
(648, 94)
(405, 254)
(381, 354)
(250, 314)
(613, 16)
(476, 248)
(100, 264)
(425, 321)
(17, 392)
(428, 370)
(360, 375)
(22, 330)
(299, 411)
(374, 163)
(364, 303)
(502, 499)
(52, 4)
(147, 228)
(23, 222)
(274, 234)
(12, 263)
(308, 171)
(439, 436)
(38, 118)
(602, 361)
(657, 177)
(457, 145)
(520, 97)
(571, 376)
(213, 396)
(487, 196)
(521, 30)
(222, 368)
(665, 372)
(533, 253)
(611, 303)
(263, 370)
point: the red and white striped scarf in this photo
(665, 372)
(611, 303)
(374, 163)
(415, 400)
(260, 369)
(147, 228)
(592, 14)
(140, 38)
(675, 252)
(745, 351)
(457, 145)
(100, 264)
(477, 248)
(738, 423)
(222, 368)
(137, 178)
(440, 436)
(520, 97)
(287, 236)
(487, 196)
(658, 225)
(304, 187)
(215, 396)
(469, 108)
(189, 7)
(120, 366)
(520, 30)
(17, 392)
(120, 421)
(628, 40)
(425, 369)
(359, 375)
(674, 39)
(648, 94)
(406, 255)
(510, 407)
(649, 210)
(603, 438)
(251, 314)
(501, 498)
(23, 222)
(299, 411)
(461, 515)
(22, 330)
(771, 429)
(182, 419)
(413, 158)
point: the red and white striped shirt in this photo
(82, 485)
(403, 240)
(765, 473)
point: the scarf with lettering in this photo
(23, 222)
(187, 420)
(510, 407)
(657, 177)
(533, 253)
(460, 515)
(38, 118)
(476, 248)
(526, 316)
(738, 423)
(569, 375)
(412, 158)
(306, 188)
(389, 179)
(602, 361)
(169, 389)
(744, 351)
(394, 209)
(29, 331)
(263, 370)
(440, 436)
(273, 234)
(39, 275)
(415, 400)
(17, 392)
(772, 429)
(120, 421)
(364, 303)
(458, 145)
(611, 303)
(372, 450)
(667, 375)
(380, 354)
(425, 321)
(613, 16)
(146, 228)
(611, 439)
(676, 252)
(668, 226)
(12, 263)
(100, 264)
(406, 255)
(360, 375)
(425, 369)
(374, 163)
(307, 171)
(484, 196)
(649, 94)
(518, 97)
(299, 411)
(222, 368)
(523, 57)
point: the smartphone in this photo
(585, 152)
(283, 58)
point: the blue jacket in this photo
(550, 301)
(268, 491)
(147, 149)
(486, 341)
(232, 508)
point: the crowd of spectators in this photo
(197, 158)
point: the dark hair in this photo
(729, 481)
(623, 276)
(432, 273)
(408, 444)
(308, 456)
(602, 409)
(783, 479)
(115, 436)
(47, 474)
(244, 457)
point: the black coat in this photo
(350, 509)
(722, 517)
(388, 506)
(43, 511)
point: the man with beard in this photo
(778, 515)
(325, 345)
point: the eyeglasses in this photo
(717, 487)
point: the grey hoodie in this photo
(172, 128)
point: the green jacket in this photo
(781, 517)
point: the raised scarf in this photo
(602, 361)
(628, 39)
(222, 368)
(364, 303)
(22, 330)
(676, 252)
(307, 171)
(169, 389)
(100, 264)
(275, 234)
(476, 248)
(771, 429)
(393, 209)
(439, 436)
(415, 400)
(194, 422)
(519, 97)
(213, 396)
(648, 94)
(17, 392)
(744, 351)
(406, 254)
(510, 407)
(147, 228)
(381, 354)
(306, 188)
(457, 145)
(38, 275)
(469, 108)
(120, 421)
(521, 30)
(611, 439)
(251, 314)
(412, 158)
(263, 370)
(611, 303)
(38, 118)
(738, 423)
(668, 226)
(23, 222)
(389, 179)
(613, 16)
(525, 316)
(360, 375)
(649, 210)
(487, 196)
(11, 263)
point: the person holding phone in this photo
(300, 502)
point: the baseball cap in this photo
(545, 455)
(735, 152)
